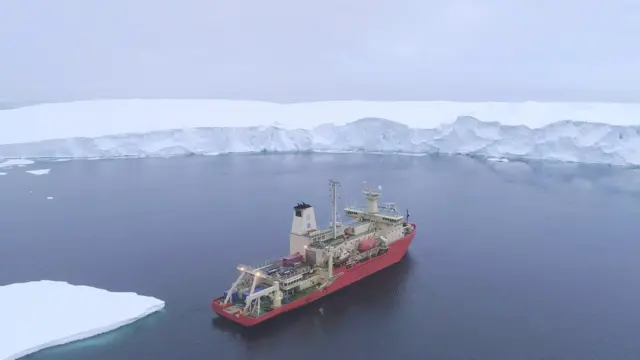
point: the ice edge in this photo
(565, 141)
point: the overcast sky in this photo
(299, 50)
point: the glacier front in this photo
(41, 314)
(571, 132)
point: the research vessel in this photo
(320, 260)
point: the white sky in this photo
(293, 50)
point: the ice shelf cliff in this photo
(572, 132)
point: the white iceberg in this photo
(497, 159)
(41, 314)
(571, 132)
(3, 173)
(39, 171)
(15, 162)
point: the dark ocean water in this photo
(511, 261)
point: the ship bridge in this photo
(385, 216)
(384, 213)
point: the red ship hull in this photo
(396, 252)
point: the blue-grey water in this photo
(511, 261)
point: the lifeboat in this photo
(366, 244)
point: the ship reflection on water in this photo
(376, 295)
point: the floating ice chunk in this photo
(498, 159)
(2, 173)
(39, 171)
(41, 314)
(15, 162)
(49, 197)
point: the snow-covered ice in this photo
(15, 162)
(41, 314)
(575, 132)
(3, 173)
(39, 171)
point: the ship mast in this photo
(334, 222)
(334, 209)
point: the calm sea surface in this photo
(511, 261)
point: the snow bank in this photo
(41, 314)
(39, 171)
(575, 132)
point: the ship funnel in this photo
(304, 219)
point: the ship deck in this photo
(331, 242)
(238, 306)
